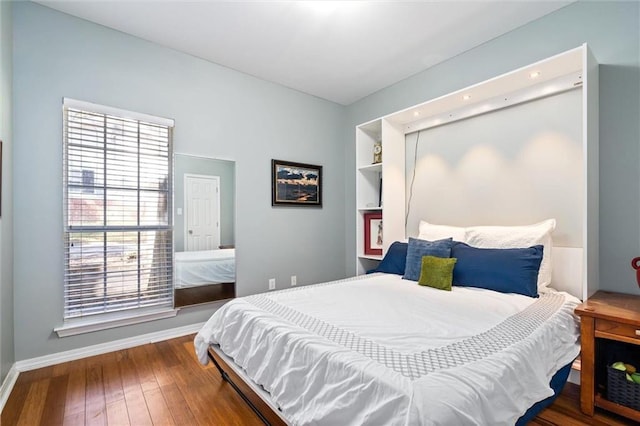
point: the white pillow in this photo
(517, 237)
(429, 231)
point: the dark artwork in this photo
(296, 184)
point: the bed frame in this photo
(566, 277)
(255, 397)
(259, 401)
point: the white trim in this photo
(103, 109)
(559, 65)
(103, 348)
(84, 325)
(7, 385)
(548, 88)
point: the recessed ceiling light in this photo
(325, 7)
(534, 74)
(416, 113)
(466, 97)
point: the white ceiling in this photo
(337, 50)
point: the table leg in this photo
(587, 363)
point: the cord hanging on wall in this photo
(413, 178)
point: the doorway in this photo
(202, 212)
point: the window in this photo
(118, 226)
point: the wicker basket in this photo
(620, 390)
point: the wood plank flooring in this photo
(155, 384)
(163, 384)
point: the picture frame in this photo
(296, 184)
(373, 234)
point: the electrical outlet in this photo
(272, 283)
(294, 280)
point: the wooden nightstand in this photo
(613, 317)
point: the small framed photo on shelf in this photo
(373, 233)
(295, 184)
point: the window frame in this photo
(111, 314)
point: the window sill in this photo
(81, 326)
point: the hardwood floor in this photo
(163, 384)
(565, 411)
(160, 383)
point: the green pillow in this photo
(437, 272)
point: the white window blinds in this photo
(118, 213)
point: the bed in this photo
(197, 268)
(381, 349)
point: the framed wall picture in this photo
(295, 184)
(373, 233)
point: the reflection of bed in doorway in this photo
(203, 276)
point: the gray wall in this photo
(612, 31)
(225, 114)
(218, 113)
(6, 221)
(224, 169)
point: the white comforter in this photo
(380, 350)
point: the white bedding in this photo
(381, 350)
(195, 268)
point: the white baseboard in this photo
(103, 348)
(574, 377)
(574, 374)
(7, 385)
(74, 354)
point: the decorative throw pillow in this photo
(417, 248)
(394, 260)
(512, 270)
(517, 237)
(437, 272)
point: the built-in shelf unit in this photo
(371, 197)
(575, 69)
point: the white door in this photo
(202, 205)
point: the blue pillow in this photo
(395, 259)
(416, 249)
(511, 270)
